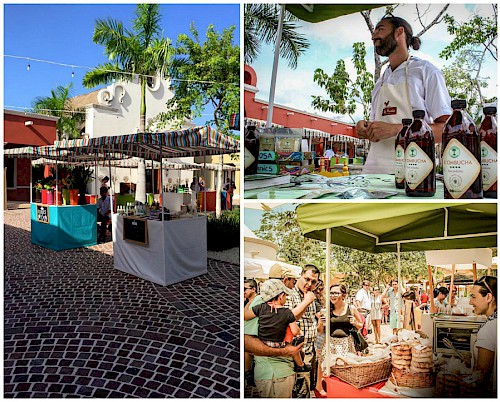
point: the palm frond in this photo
(104, 74)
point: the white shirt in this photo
(425, 84)
(487, 339)
(329, 153)
(364, 298)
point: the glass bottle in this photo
(420, 158)
(400, 154)
(488, 133)
(251, 150)
(461, 155)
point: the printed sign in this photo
(135, 230)
(267, 156)
(42, 214)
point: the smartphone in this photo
(298, 340)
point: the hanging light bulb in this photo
(72, 74)
(28, 67)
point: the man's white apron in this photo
(393, 105)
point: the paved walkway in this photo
(76, 327)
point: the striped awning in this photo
(197, 141)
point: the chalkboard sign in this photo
(42, 214)
(135, 230)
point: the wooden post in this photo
(452, 297)
(474, 271)
(431, 289)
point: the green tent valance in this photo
(378, 227)
(323, 12)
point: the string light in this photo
(114, 71)
(73, 72)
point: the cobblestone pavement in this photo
(76, 327)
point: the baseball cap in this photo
(280, 272)
(272, 288)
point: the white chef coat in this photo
(415, 84)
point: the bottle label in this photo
(400, 164)
(418, 165)
(248, 158)
(460, 168)
(488, 165)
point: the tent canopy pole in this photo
(327, 300)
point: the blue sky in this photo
(332, 40)
(63, 33)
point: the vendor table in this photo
(68, 226)
(176, 250)
(311, 186)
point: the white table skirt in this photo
(177, 250)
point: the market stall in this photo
(168, 248)
(317, 186)
(399, 227)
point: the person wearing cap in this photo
(409, 83)
(270, 362)
(275, 378)
(308, 324)
(278, 271)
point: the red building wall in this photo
(257, 109)
(18, 134)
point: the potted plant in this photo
(49, 187)
(38, 186)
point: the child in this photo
(274, 319)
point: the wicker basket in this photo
(408, 379)
(450, 385)
(362, 375)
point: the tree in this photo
(463, 82)
(473, 43)
(261, 26)
(344, 93)
(59, 105)
(140, 52)
(205, 73)
(282, 229)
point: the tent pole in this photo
(57, 187)
(204, 182)
(431, 288)
(474, 271)
(270, 105)
(31, 184)
(110, 182)
(400, 286)
(451, 283)
(327, 298)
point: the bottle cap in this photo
(406, 122)
(490, 110)
(459, 104)
(418, 114)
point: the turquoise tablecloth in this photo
(314, 186)
(69, 227)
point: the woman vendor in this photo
(484, 299)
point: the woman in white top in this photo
(484, 299)
(376, 312)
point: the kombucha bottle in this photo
(420, 158)
(400, 154)
(461, 155)
(488, 133)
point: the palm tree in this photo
(59, 105)
(261, 25)
(140, 52)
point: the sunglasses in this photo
(482, 281)
(335, 294)
(247, 288)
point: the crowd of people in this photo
(285, 319)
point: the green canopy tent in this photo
(395, 227)
(310, 13)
